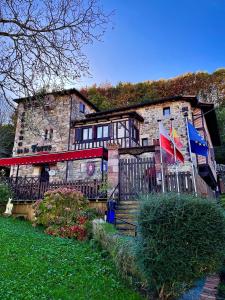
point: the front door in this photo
(44, 177)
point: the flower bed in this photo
(65, 213)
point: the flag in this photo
(174, 135)
(198, 144)
(167, 144)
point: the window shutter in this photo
(78, 134)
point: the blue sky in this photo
(155, 39)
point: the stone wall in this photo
(150, 128)
(32, 123)
(78, 169)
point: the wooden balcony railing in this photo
(122, 142)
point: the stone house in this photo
(64, 137)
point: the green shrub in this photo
(181, 239)
(222, 201)
(65, 213)
(5, 193)
(122, 250)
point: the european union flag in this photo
(198, 144)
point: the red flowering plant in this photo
(65, 213)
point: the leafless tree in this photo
(42, 43)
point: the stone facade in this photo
(79, 169)
(46, 129)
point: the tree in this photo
(42, 41)
(7, 133)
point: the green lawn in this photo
(34, 265)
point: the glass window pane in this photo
(105, 131)
(166, 111)
(90, 133)
(99, 132)
(85, 134)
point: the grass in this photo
(34, 265)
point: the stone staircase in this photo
(126, 217)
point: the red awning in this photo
(54, 157)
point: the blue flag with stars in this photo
(198, 144)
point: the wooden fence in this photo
(32, 188)
(136, 176)
(185, 182)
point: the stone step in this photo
(128, 202)
(132, 212)
(123, 220)
(127, 207)
(127, 214)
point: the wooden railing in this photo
(185, 182)
(32, 188)
(122, 142)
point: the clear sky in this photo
(154, 39)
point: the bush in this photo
(181, 239)
(222, 201)
(65, 213)
(122, 250)
(5, 193)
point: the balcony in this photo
(121, 142)
(207, 168)
(124, 133)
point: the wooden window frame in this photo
(87, 140)
(102, 138)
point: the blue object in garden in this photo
(111, 211)
(198, 144)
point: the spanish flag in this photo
(166, 144)
(175, 137)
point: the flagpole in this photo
(175, 158)
(161, 160)
(190, 154)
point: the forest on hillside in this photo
(208, 87)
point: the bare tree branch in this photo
(42, 41)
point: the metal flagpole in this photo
(175, 158)
(161, 160)
(189, 146)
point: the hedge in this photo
(181, 239)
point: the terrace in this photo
(121, 129)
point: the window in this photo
(184, 109)
(82, 107)
(51, 134)
(87, 133)
(135, 133)
(145, 142)
(166, 111)
(102, 132)
(46, 134)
